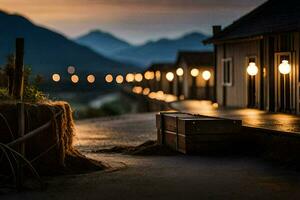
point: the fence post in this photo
(21, 146)
(19, 70)
(10, 67)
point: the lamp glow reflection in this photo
(284, 67)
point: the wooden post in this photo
(21, 147)
(10, 67)
(19, 70)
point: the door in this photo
(285, 82)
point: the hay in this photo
(56, 142)
(149, 148)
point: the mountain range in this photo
(49, 52)
(103, 42)
(162, 50)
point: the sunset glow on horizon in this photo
(133, 20)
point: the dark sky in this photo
(134, 20)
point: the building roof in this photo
(161, 66)
(195, 58)
(274, 16)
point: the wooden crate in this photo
(196, 134)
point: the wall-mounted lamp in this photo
(170, 76)
(206, 75)
(284, 67)
(179, 72)
(194, 72)
(252, 69)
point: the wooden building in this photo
(159, 82)
(194, 75)
(257, 59)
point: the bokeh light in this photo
(119, 79)
(91, 78)
(206, 75)
(109, 78)
(138, 77)
(195, 72)
(56, 77)
(146, 91)
(157, 75)
(74, 78)
(170, 76)
(179, 71)
(71, 69)
(130, 78)
(149, 75)
(137, 89)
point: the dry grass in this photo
(52, 151)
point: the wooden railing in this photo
(17, 146)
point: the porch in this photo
(251, 118)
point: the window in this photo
(227, 71)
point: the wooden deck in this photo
(251, 118)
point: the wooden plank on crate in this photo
(201, 125)
(170, 119)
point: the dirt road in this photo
(158, 177)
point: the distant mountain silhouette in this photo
(48, 52)
(163, 50)
(103, 42)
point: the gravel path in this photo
(158, 177)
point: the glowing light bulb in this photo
(170, 76)
(206, 75)
(179, 72)
(252, 69)
(284, 67)
(194, 72)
